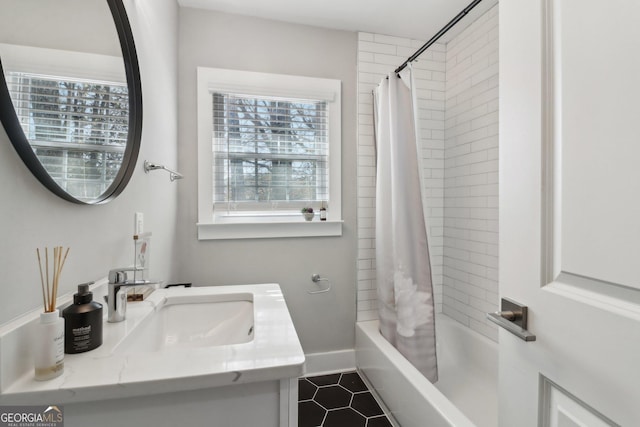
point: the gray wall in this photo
(35, 23)
(324, 322)
(100, 237)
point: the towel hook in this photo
(315, 278)
(173, 175)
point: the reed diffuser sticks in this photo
(50, 288)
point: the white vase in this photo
(308, 216)
(48, 347)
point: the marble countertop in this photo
(274, 353)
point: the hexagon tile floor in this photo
(338, 400)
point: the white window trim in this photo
(63, 63)
(266, 226)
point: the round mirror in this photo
(70, 94)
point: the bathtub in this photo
(465, 394)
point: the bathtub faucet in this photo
(117, 292)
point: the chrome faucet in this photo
(117, 292)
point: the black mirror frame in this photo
(10, 121)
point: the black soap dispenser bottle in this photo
(82, 322)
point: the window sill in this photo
(269, 230)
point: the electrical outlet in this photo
(138, 225)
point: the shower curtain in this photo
(405, 292)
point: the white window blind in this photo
(77, 128)
(269, 153)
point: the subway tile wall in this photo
(471, 176)
(379, 55)
(458, 113)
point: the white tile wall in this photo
(379, 55)
(458, 108)
(470, 175)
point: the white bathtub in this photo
(464, 396)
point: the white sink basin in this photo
(185, 322)
(175, 340)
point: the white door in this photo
(570, 211)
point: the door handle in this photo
(513, 317)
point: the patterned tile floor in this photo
(338, 400)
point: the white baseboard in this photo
(332, 361)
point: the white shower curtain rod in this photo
(439, 34)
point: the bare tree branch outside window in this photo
(269, 149)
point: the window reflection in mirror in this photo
(65, 75)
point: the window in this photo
(269, 145)
(268, 153)
(77, 128)
(73, 108)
